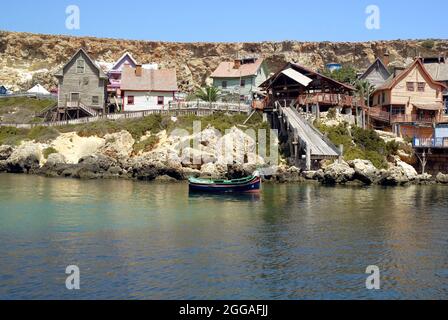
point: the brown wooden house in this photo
(312, 92)
(409, 103)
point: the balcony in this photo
(377, 113)
(333, 99)
(441, 143)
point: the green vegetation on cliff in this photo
(136, 127)
(361, 144)
(22, 109)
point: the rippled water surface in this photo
(154, 241)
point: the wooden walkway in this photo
(320, 147)
(306, 142)
(179, 109)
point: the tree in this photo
(364, 90)
(209, 94)
(344, 75)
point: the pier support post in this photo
(341, 151)
(308, 158)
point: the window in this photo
(242, 98)
(95, 100)
(398, 110)
(383, 98)
(410, 86)
(224, 84)
(243, 83)
(130, 100)
(74, 97)
(446, 106)
(160, 101)
(421, 87)
(80, 66)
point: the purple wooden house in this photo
(115, 73)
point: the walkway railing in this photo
(176, 109)
(379, 114)
(430, 142)
(333, 99)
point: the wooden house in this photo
(376, 74)
(3, 90)
(146, 89)
(81, 88)
(409, 103)
(438, 69)
(239, 79)
(312, 92)
(115, 72)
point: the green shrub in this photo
(49, 151)
(146, 145)
(428, 44)
(42, 134)
(12, 136)
(331, 113)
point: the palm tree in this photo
(364, 90)
(209, 94)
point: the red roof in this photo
(150, 80)
(226, 69)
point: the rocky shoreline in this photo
(113, 157)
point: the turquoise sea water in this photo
(153, 241)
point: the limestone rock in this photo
(56, 158)
(338, 173)
(25, 159)
(442, 178)
(117, 145)
(400, 174)
(5, 152)
(365, 171)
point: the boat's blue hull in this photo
(252, 186)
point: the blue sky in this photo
(231, 20)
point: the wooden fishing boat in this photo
(243, 185)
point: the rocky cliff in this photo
(28, 58)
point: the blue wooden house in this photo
(239, 79)
(3, 90)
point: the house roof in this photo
(314, 76)
(226, 69)
(377, 63)
(101, 73)
(392, 82)
(38, 89)
(126, 54)
(438, 71)
(297, 77)
(150, 80)
(431, 107)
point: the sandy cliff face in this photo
(26, 58)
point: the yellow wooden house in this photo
(409, 103)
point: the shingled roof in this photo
(226, 69)
(150, 80)
(393, 81)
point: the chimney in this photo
(138, 70)
(237, 64)
(386, 58)
(398, 70)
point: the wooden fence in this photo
(177, 109)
